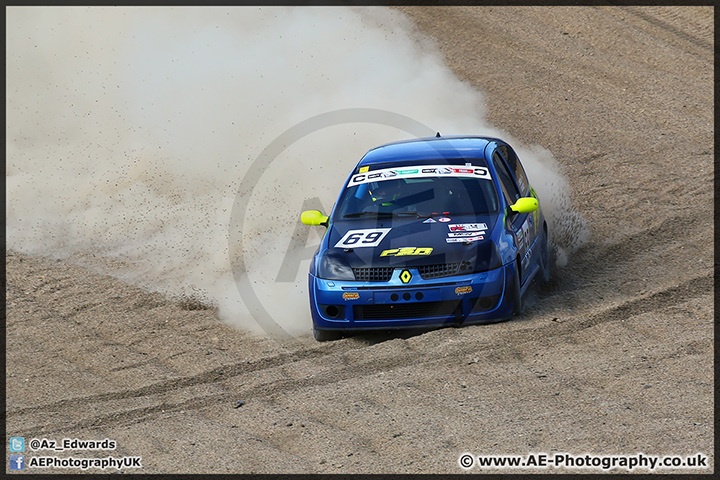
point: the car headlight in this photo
(332, 266)
(486, 257)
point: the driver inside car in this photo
(386, 193)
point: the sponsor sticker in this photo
(465, 234)
(464, 239)
(467, 227)
(445, 170)
(351, 296)
(522, 235)
(401, 252)
(430, 220)
(438, 170)
(406, 171)
(418, 172)
(463, 290)
(444, 219)
(365, 237)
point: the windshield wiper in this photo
(414, 214)
(368, 214)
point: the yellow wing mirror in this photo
(525, 205)
(313, 217)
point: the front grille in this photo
(436, 271)
(427, 272)
(373, 274)
(406, 310)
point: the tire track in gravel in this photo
(601, 257)
(217, 374)
(702, 39)
(338, 369)
(660, 300)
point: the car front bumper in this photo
(462, 299)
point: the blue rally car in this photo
(427, 233)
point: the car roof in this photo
(447, 148)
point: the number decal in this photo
(366, 237)
(353, 239)
(373, 237)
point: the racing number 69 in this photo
(367, 237)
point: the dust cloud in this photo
(129, 131)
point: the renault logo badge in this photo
(405, 276)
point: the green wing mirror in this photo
(313, 217)
(525, 205)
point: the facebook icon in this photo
(17, 462)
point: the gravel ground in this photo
(615, 356)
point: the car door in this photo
(520, 225)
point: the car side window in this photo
(512, 194)
(515, 166)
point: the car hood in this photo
(414, 242)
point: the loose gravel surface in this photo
(615, 356)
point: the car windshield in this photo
(419, 197)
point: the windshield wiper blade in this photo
(368, 214)
(414, 214)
